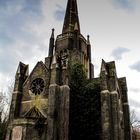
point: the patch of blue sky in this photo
(5, 3)
(124, 4)
(59, 13)
(7, 60)
(11, 29)
(22, 10)
(5, 40)
(12, 25)
(10, 7)
(33, 6)
(26, 5)
(136, 66)
(118, 52)
(7, 63)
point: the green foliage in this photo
(77, 76)
(84, 105)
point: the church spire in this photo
(71, 17)
(51, 46)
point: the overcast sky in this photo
(113, 26)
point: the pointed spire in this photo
(71, 17)
(21, 75)
(52, 35)
(88, 48)
(51, 46)
(103, 66)
(88, 41)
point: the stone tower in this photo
(40, 106)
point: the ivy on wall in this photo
(85, 120)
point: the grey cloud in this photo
(134, 103)
(7, 60)
(135, 66)
(59, 13)
(118, 52)
(135, 90)
(16, 6)
(16, 41)
(23, 36)
(32, 6)
(12, 54)
(15, 14)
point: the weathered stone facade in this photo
(41, 100)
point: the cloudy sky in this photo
(113, 26)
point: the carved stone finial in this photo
(52, 35)
(88, 40)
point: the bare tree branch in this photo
(134, 121)
(5, 99)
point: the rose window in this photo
(37, 86)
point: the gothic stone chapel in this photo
(45, 106)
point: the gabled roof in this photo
(38, 63)
(34, 113)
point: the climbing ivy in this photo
(84, 105)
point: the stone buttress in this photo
(115, 119)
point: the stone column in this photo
(127, 129)
(52, 128)
(64, 112)
(105, 114)
(58, 112)
(126, 113)
(114, 115)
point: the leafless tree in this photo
(135, 125)
(5, 99)
(134, 121)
